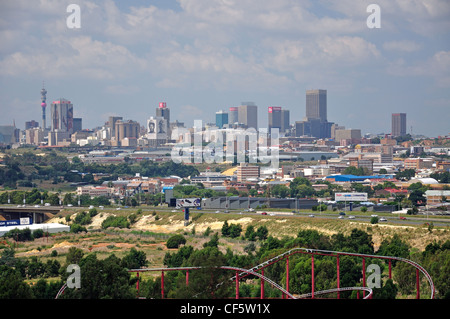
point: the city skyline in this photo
(204, 56)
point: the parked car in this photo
(382, 219)
(342, 213)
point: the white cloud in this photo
(402, 46)
(436, 67)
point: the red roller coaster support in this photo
(187, 278)
(287, 274)
(262, 284)
(137, 283)
(364, 274)
(162, 284)
(417, 284)
(338, 277)
(312, 276)
(237, 285)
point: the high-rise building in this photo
(77, 124)
(126, 129)
(246, 171)
(34, 136)
(9, 134)
(31, 124)
(111, 124)
(221, 118)
(316, 104)
(43, 105)
(316, 124)
(233, 115)
(248, 115)
(285, 120)
(278, 118)
(398, 124)
(163, 111)
(274, 114)
(157, 128)
(62, 116)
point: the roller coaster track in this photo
(241, 272)
(335, 254)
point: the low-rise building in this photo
(95, 191)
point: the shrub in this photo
(113, 221)
(76, 228)
(175, 241)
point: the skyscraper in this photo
(248, 114)
(221, 118)
(233, 115)
(278, 118)
(274, 114)
(285, 120)
(316, 124)
(62, 116)
(43, 105)
(316, 104)
(398, 124)
(164, 112)
(126, 129)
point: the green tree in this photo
(387, 291)
(12, 284)
(74, 255)
(262, 232)
(102, 279)
(207, 282)
(175, 241)
(250, 233)
(394, 246)
(134, 259)
(280, 191)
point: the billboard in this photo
(350, 197)
(188, 202)
(17, 222)
(157, 128)
(274, 108)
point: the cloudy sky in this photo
(201, 56)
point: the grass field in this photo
(153, 227)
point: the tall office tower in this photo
(43, 105)
(398, 124)
(62, 116)
(221, 118)
(31, 124)
(248, 114)
(285, 120)
(316, 104)
(126, 129)
(164, 112)
(77, 124)
(233, 115)
(274, 113)
(111, 124)
(316, 124)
